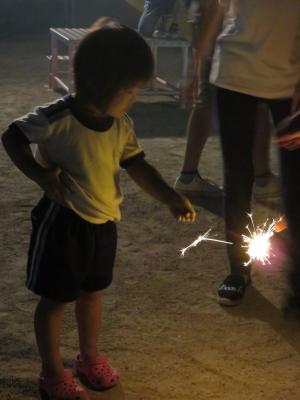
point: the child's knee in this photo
(49, 304)
(89, 296)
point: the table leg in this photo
(53, 63)
(154, 52)
(71, 52)
(184, 75)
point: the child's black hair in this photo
(109, 58)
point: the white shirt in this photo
(258, 50)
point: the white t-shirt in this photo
(90, 159)
(258, 50)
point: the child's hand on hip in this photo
(182, 209)
(53, 186)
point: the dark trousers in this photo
(237, 116)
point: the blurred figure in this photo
(199, 95)
(288, 139)
(153, 21)
(256, 60)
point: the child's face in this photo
(123, 101)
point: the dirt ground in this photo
(162, 328)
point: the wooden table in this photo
(63, 46)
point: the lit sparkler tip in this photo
(258, 243)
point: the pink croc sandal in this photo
(96, 374)
(64, 389)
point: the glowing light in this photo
(281, 225)
(258, 242)
(201, 238)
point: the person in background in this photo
(153, 21)
(199, 94)
(256, 60)
(288, 139)
(82, 141)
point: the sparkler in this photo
(201, 238)
(258, 243)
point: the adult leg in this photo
(174, 27)
(290, 170)
(186, 3)
(200, 118)
(262, 141)
(197, 132)
(237, 114)
(266, 183)
(153, 13)
(150, 18)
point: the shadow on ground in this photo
(256, 306)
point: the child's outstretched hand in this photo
(182, 209)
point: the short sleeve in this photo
(131, 149)
(34, 125)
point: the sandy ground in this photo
(162, 326)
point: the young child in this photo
(82, 140)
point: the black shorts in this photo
(68, 254)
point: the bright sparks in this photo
(201, 238)
(258, 242)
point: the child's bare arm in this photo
(18, 149)
(148, 178)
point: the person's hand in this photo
(182, 209)
(290, 141)
(53, 186)
(188, 91)
(296, 101)
(281, 225)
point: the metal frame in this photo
(60, 63)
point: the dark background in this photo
(36, 16)
(29, 20)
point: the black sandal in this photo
(232, 289)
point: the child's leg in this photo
(88, 314)
(47, 324)
(91, 367)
